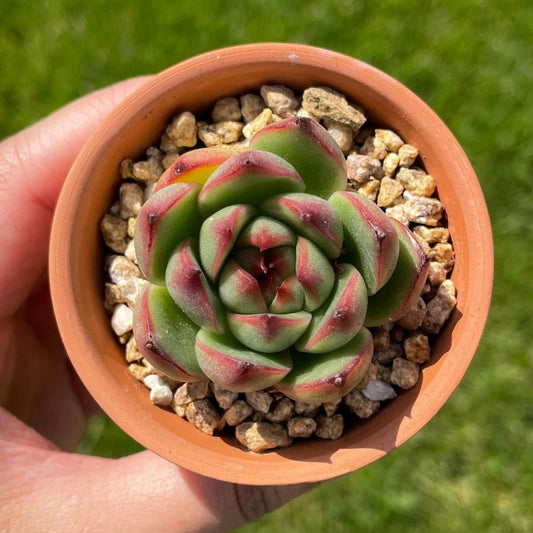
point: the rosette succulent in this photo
(265, 271)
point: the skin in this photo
(44, 408)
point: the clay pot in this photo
(76, 253)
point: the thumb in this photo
(33, 167)
(70, 492)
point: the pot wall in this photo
(76, 270)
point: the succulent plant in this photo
(265, 271)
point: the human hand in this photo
(44, 406)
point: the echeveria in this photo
(265, 271)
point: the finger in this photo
(146, 492)
(33, 167)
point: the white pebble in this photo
(121, 269)
(132, 289)
(152, 380)
(122, 319)
(160, 392)
(161, 395)
(378, 391)
(129, 252)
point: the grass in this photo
(472, 466)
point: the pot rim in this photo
(107, 379)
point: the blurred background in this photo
(472, 62)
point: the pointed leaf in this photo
(289, 297)
(310, 149)
(340, 317)
(327, 377)
(239, 290)
(265, 233)
(268, 332)
(166, 336)
(370, 241)
(194, 166)
(314, 272)
(166, 218)
(405, 284)
(219, 233)
(234, 367)
(248, 177)
(190, 289)
(309, 216)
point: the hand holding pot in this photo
(44, 407)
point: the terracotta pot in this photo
(76, 253)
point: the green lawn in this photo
(471, 468)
